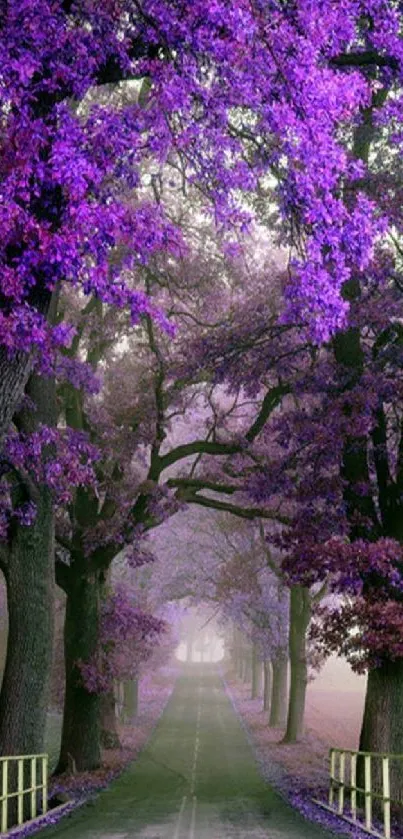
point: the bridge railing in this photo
(345, 795)
(24, 784)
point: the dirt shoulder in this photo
(334, 707)
(300, 771)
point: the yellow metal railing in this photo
(343, 784)
(27, 775)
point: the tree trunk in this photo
(278, 709)
(14, 374)
(300, 615)
(15, 370)
(247, 666)
(81, 718)
(109, 729)
(119, 700)
(30, 597)
(256, 671)
(130, 699)
(29, 574)
(234, 651)
(382, 726)
(267, 685)
(238, 643)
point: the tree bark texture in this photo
(256, 673)
(81, 718)
(267, 682)
(300, 615)
(278, 708)
(29, 574)
(15, 370)
(14, 374)
(30, 597)
(25, 686)
(382, 726)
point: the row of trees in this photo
(213, 560)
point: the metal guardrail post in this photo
(386, 797)
(342, 768)
(45, 784)
(33, 787)
(4, 803)
(367, 790)
(353, 784)
(332, 776)
(20, 790)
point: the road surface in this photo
(197, 779)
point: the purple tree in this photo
(62, 213)
(230, 94)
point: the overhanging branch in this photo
(234, 509)
(198, 483)
(271, 400)
(197, 447)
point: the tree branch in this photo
(270, 562)
(240, 512)
(319, 594)
(386, 486)
(366, 58)
(199, 483)
(197, 447)
(271, 400)
(159, 379)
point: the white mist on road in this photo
(201, 640)
(210, 651)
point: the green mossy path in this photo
(197, 779)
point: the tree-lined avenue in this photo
(197, 778)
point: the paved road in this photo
(197, 779)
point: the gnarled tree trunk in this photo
(15, 369)
(14, 374)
